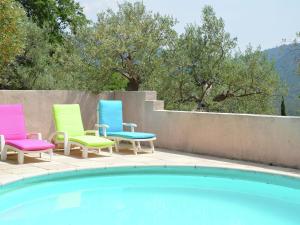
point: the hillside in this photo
(286, 59)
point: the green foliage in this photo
(202, 52)
(44, 65)
(58, 15)
(128, 42)
(134, 49)
(249, 84)
(12, 32)
(286, 59)
(204, 75)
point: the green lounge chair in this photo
(69, 131)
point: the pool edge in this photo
(80, 171)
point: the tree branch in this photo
(126, 75)
(228, 94)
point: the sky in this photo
(265, 23)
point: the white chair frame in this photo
(4, 148)
(68, 144)
(136, 143)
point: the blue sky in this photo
(259, 22)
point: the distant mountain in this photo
(287, 59)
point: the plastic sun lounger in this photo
(69, 131)
(110, 124)
(13, 135)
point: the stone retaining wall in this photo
(259, 138)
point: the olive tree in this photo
(45, 65)
(59, 16)
(204, 74)
(129, 43)
(12, 31)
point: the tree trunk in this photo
(133, 85)
(283, 111)
(201, 106)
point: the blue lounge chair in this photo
(110, 124)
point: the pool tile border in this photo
(162, 158)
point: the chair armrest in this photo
(2, 142)
(53, 135)
(92, 132)
(104, 128)
(34, 135)
(131, 125)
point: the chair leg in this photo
(134, 147)
(99, 151)
(117, 145)
(152, 146)
(110, 150)
(4, 154)
(139, 146)
(20, 157)
(51, 154)
(84, 153)
(67, 148)
(40, 155)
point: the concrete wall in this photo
(38, 106)
(259, 138)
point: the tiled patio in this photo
(10, 171)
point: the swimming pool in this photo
(152, 195)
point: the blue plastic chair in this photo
(110, 124)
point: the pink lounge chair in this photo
(13, 134)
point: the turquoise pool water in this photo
(152, 195)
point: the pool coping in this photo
(211, 163)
